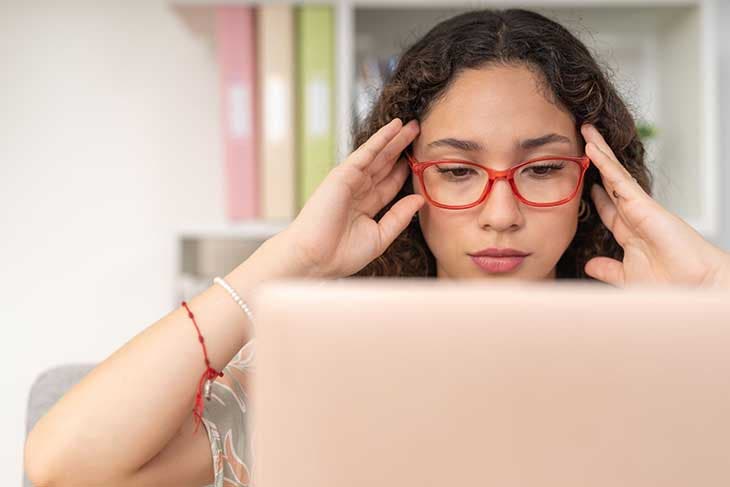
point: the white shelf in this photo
(258, 230)
(208, 250)
(664, 55)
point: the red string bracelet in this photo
(208, 376)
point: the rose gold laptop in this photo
(413, 383)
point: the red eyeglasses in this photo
(542, 182)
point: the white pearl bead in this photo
(235, 296)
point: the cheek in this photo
(556, 229)
(437, 225)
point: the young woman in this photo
(517, 159)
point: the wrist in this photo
(273, 259)
(293, 260)
(724, 273)
(266, 263)
(721, 274)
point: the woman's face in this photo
(499, 108)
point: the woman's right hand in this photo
(335, 234)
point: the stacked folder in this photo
(277, 105)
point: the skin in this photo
(498, 107)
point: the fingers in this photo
(386, 169)
(607, 270)
(606, 209)
(398, 218)
(387, 188)
(387, 157)
(383, 146)
(367, 152)
(617, 180)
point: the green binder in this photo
(315, 97)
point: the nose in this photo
(501, 210)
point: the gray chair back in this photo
(46, 390)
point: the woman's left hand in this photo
(659, 247)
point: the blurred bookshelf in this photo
(661, 54)
(214, 250)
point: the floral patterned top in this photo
(225, 417)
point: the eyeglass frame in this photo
(493, 175)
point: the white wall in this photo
(108, 142)
(723, 43)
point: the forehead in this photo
(497, 102)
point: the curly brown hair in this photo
(571, 76)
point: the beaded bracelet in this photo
(210, 373)
(235, 296)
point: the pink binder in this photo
(236, 48)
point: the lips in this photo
(496, 252)
(496, 260)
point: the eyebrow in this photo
(474, 146)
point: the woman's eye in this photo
(540, 170)
(544, 170)
(457, 171)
